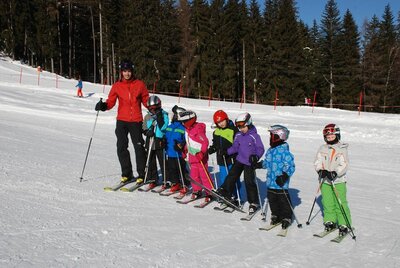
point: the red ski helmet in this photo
(219, 116)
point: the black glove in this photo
(101, 106)
(211, 149)
(253, 160)
(331, 176)
(149, 132)
(160, 119)
(178, 146)
(259, 165)
(282, 179)
(323, 173)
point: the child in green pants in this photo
(332, 163)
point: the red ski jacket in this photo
(130, 94)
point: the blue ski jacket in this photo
(175, 132)
(277, 160)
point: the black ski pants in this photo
(249, 181)
(152, 170)
(134, 129)
(278, 200)
(175, 169)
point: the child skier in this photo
(196, 148)
(249, 148)
(331, 163)
(279, 162)
(175, 139)
(223, 139)
(154, 126)
(79, 86)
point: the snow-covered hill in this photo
(51, 219)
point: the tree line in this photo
(225, 45)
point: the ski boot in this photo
(196, 195)
(286, 223)
(343, 230)
(329, 226)
(139, 180)
(274, 220)
(253, 208)
(175, 187)
(165, 186)
(125, 179)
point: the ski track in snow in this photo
(50, 219)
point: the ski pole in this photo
(180, 170)
(146, 170)
(215, 177)
(299, 225)
(258, 189)
(265, 210)
(164, 169)
(236, 184)
(315, 199)
(208, 176)
(342, 210)
(90, 143)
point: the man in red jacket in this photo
(131, 93)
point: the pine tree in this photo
(201, 32)
(187, 63)
(349, 82)
(370, 63)
(169, 48)
(332, 58)
(254, 50)
(390, 53)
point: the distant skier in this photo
(196, 149)
(279, 162)
(249, 148)
(131, 93)
(332, 163)
(154, 126)
(80, 87)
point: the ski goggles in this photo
(330, 130)
(240, 124)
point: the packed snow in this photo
(51, 219)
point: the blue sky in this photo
(361, 9)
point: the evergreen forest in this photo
(233, 50)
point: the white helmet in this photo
(243, 119)
(281, 131)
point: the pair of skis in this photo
(339, 238)
(205, 202)
(282, 232)
(121, 186)
(225, 208)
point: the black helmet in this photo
(176, 110)
(126, 65)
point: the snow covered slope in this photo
(50, 219)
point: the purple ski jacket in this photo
(245, 145)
